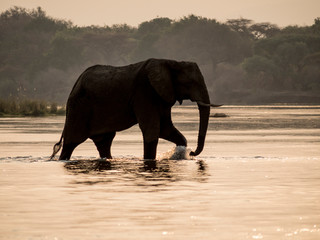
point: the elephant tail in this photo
(57, 147)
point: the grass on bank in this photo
(28, 107)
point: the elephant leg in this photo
(150, 149)
(103, 144)
(67, 150)
(150, 132)
(175, 136)
(146, 107)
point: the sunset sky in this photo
(133, 12)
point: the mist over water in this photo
(257, 178)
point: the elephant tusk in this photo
(208, 104)
(215, 105)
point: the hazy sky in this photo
(133, 12)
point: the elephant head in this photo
(176, 81)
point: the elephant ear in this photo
(160, 78)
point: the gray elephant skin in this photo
(108, 99)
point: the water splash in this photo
(177, 153)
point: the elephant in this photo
(107, 99)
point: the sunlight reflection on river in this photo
(257, 178)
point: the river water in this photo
(257, 178)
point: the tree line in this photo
(242, 61)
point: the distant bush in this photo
(27, 107)
(53, 108)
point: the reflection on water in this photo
(135, 170)
(220, 198)
(88, 166)
(257, 178)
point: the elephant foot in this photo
(103, 143)
(67, 150)
(105, 155)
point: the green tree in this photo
(25, 35)
(261, 73)
(147, 36)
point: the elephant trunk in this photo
(204, 112)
